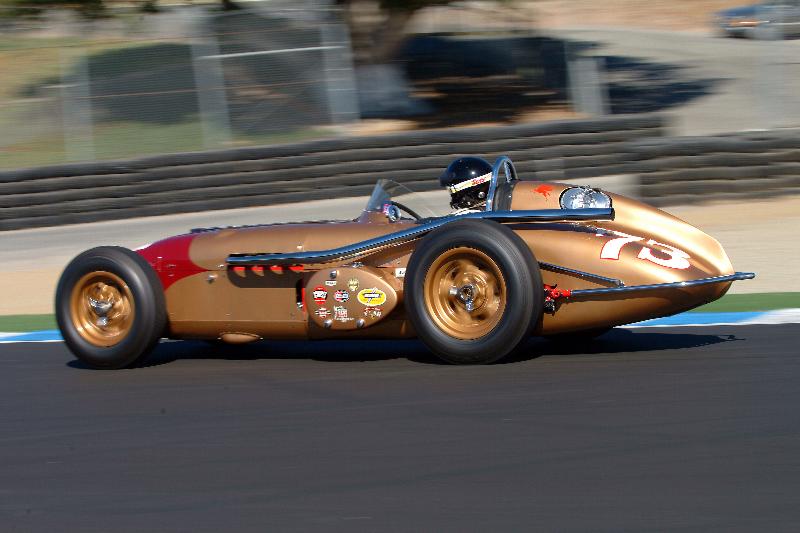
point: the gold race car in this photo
(519, 258)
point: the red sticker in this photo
(544, 190)
(320, 295)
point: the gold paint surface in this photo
(266, 303)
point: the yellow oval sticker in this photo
(372, 297)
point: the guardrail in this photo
(681, 170)
(670, 170)
(245, 177)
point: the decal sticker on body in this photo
(320, 295)
(373, 312)
(340, 314)
(341, 296)
(372, 297)
(544, 190)
(676, 258)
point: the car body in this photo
(772, 19)
(526, 263)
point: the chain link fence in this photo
(195, 77)
(187, 78)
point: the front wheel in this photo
(110, 307)
(473, 291)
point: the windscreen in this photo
(426, 204)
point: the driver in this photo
(467, 179)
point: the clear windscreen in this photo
(424, 204)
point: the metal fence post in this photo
(587, 88)
(211, 97)
(76, 105)
(339, 76)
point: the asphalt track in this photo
(683, 429)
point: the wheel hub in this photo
(465, 293)
(102, 308)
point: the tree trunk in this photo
(229, 5)
(376, 35)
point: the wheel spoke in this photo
(459, 267)
(491, 306)
(444, 290)
(491, 289)
(458, 277)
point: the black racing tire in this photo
(136, 320)
(503, 276)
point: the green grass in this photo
(27, 322)
(122, 140)
(752, 302)
(729, 303)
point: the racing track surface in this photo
(649, 429)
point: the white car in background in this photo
(771, 19)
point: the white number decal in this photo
(677, 258)
(612, 249)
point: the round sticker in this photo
(320, 295)
(372, 297)
(341, 296)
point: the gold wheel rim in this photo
(102, 308)
(455, 278)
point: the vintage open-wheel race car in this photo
(539, 259)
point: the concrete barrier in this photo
(268, 175)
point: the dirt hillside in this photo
(682, 15)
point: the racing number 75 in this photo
(677, 258)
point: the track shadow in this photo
(334, 351)
(616, 342)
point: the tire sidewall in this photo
(521, 276)
(149, 312)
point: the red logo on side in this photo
(544, 190)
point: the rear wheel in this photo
(110, 307)
(472, 291)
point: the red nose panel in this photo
(170, 259)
